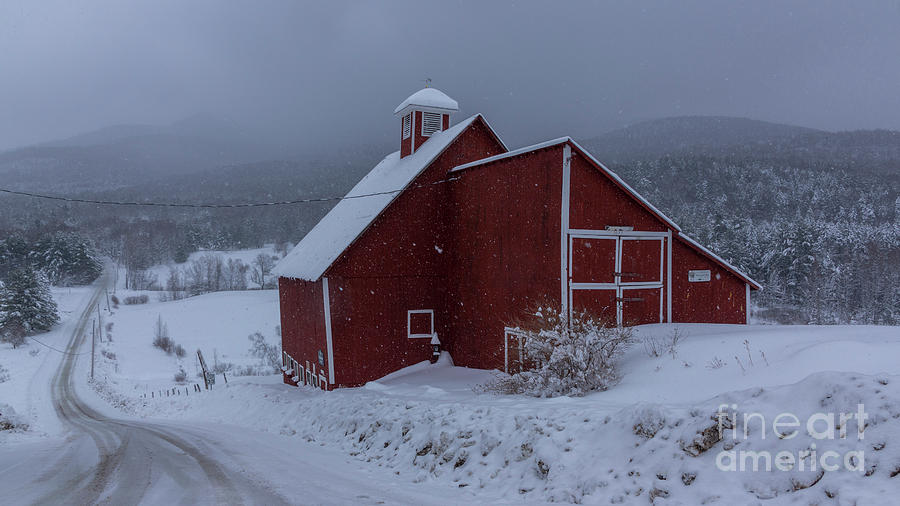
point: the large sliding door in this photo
(617, 277)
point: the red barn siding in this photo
(720, 300)
(597, 202)
(400, 258)
(368, 324)
(506, 257)
(302, 321)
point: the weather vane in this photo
(427, 82)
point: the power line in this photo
(57, 350)
(216, 206)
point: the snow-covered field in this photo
(161, 272)
(217, 323)
(642, 439)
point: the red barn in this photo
(454, 235)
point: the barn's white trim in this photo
(669, 276)
(409, 313)
(564, 230)
(328, 342)
(507, 332)
(747, 301)
(584, 232)
(412, 137)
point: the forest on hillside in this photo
(813, 216)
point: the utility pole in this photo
(93, 344)
(99, 324)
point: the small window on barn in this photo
(420, 323)
(431, 123)
(407, 125)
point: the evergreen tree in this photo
(26, 306)
(66, 259)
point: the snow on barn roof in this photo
(703, 250)
(358, 209)
(428, 98)
(553, 142)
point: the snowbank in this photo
(653, 438)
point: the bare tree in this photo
(262, 267)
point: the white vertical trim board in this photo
(669, 277)
(328, 343)
(747, 301)
(564, 229)
(412, 137)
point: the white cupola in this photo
(423, 114)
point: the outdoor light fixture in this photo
(435, 348)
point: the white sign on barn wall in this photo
(698, 276)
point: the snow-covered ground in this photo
(642, 439)
(29, 367)
(426, 428)
(217, 323)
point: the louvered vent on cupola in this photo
(431, 123)
(407, 125)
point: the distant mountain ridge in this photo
(123, 155)
(658, 137)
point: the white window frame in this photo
(407, 126)
(409, 314)
(440, 126)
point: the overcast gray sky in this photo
(324, 72)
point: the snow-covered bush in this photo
(9, 420)
(269, 355)
(4, 374)
(566, 357)
(132, 300)
(657, 347)
(163, 341)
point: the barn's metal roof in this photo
(324, 244)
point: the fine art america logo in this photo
(821, 426)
